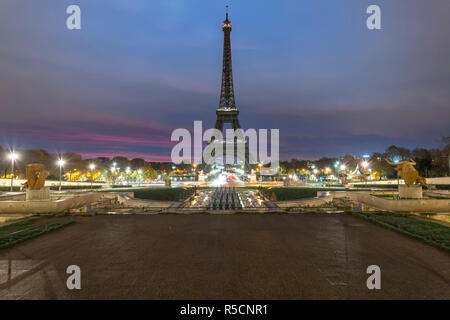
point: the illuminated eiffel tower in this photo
(227, 112)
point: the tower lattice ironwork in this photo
(227, 111)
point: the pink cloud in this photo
(76, 136)
(129, 155)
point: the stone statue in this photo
(35, 176)
(408, 173)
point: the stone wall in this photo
(48, 183)
(49, 206)
(439, 180)
(365, 197)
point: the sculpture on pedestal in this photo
(35, 184)
(36, 175)
(408, 173)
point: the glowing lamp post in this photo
(315, 172)
(128, 171)
(365, 165)
(13, 157)
(342, 167)
(113, 172)
(92, 167)
(260, 165)
(61, 164)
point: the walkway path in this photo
(289, 256)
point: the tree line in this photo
(74, 162)
(429, 162)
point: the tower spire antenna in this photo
(227, 11)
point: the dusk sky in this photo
(139, 69)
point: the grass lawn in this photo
(13, 227)
(429, 232)
(22, 230)
(160, 193)
(164, 194)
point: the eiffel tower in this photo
(227, 112)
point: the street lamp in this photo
(113, 171)
(13, 157)
(365, 164)
(260, 165)
(61, 164)
(92, 167)
(127, 171)
(342, 167)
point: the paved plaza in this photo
(251, 256)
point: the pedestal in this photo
(410, 192)
(38, 194)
